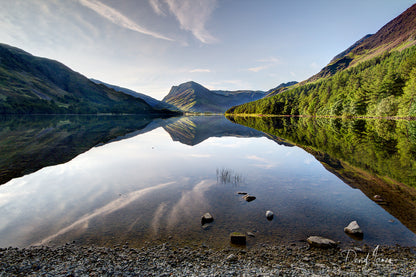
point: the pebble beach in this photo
(297, 259)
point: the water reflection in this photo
(145, 187)
(29, 143)
(377, 156)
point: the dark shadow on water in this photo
(29, 143)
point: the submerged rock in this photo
(207, 218)
(321, 242)
(354, 229)
(238, 238)
(249, 198)
(379, 200)
(269, 215)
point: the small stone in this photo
(269, 215)
(238, 238)
(353, 229)
(242, 193)
(321, 242)
(379, 200)
(207, 218)
(249, 198)
(250, 234)
(232, 258)
(377, 197)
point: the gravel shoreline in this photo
(167, 260)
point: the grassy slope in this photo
(30, 84)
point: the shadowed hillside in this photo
(30, 84)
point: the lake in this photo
(107, 180)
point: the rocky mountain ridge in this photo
(398, 34)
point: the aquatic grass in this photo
(228, 176)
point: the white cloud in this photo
(109, 208)
(191, 14)
(263, 163)
(200, 155)
(119, 19)
(258, 68)
(256, 158)
(269, 60)
(267, 63)
(157, 7)
(200, 70)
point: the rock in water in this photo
(353, 229)
(269, 215)
(321, 242)
(238, 238)
(249, 198)
(207, 218)
(250, 234)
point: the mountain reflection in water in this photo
(377, 156)
(156, 179)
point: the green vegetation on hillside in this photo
(30, 85)
(382, 86)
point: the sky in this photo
(150, 45)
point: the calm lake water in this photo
(152, 180)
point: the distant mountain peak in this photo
(193, 97)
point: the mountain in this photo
(192, 130)
(398, 34)
(30, 84)
(192, 97)
(376, 76)
(149, 100)
(280, 88)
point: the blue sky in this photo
(150, 45)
